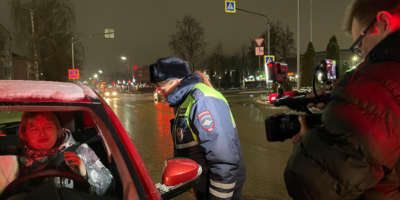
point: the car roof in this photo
(45, 91)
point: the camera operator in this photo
(355, 154)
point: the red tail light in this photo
(158, 91)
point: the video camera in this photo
(280, 127)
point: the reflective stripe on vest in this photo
(188, 103)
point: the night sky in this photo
(142, 27)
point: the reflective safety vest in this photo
(182, 133)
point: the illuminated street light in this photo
(90, 78)
(123, 58)
(355, 58)
(95, 75)
(100, 71)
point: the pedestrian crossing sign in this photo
(230, 6)
(73, 74)
(268, 59)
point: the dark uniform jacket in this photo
(355, 154)
(217, 147)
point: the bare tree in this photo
(188, 42)
(215, 62)
(218, 59)
(282, 41)
(46, 26)
(243, 62)
(287, 45)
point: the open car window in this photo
(83, 124)
(9, 124)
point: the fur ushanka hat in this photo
(168, 69)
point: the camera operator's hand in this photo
(303, 130)
(320, 91)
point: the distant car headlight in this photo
(114, 93)
(107, 94)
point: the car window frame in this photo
(107, 131)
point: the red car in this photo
(76, 107)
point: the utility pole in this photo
(129, 78)
(298, 45)
(73, 54)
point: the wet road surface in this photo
(147, 123)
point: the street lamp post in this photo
(269, 33)
(73, 42)
(124, 58)
(264, 21)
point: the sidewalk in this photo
(254, 91)
(247, 91)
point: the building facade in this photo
(23, 69)
(6, 69)
(142, 74)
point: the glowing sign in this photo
(230, 6)
(73, 74)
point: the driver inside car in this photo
(42, 140)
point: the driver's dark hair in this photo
(366, 10)
(31, 115)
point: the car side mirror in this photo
(179, 176)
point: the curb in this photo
(258, 100)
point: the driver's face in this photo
(41, 133)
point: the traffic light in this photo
(93, 80)
(129, 81)
(271, 71)
(135, 67)
(113, 83)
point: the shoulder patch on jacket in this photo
(206, 120)
(196, 94)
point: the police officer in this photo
(203, 128)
